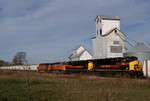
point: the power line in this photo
(131, 39)
(125, 41)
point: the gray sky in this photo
(48, 30)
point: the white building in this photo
(109, 41)
(30, 67)
(80, 53)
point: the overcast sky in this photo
(48, 30)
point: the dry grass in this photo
(74, 87)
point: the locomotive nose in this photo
(136, 67)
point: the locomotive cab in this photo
(42, 67)
(90, 66)
(135, 68)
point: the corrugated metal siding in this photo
(141, 51)
(146, 68)
(140, 55)
(139, 47)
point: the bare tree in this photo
(1, 63)
(20, 58)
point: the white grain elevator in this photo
(109, 41)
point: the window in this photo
(100, 32)
(97, 21)
(116, 49)
(116, 42)
(100, 21)
(115, 31)
(97, 32)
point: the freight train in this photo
(125, 65)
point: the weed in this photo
(74, 87)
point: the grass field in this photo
(71, 87)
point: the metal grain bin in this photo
(140, 50)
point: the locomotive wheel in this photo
(131, 73)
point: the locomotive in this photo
(125, 65)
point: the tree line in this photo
(19, 59)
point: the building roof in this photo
(77, 47)
(78, 55)
(111, 30)
(139, 47)
(93, 37)
(106, 17)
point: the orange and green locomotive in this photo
(48, 67)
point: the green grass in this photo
(72, 87)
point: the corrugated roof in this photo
(106, 17)
(140, 47)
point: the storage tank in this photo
(139, 50)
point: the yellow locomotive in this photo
(126, 65)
